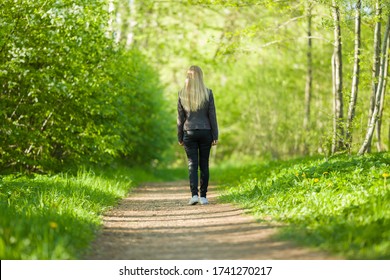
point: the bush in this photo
(69, 94)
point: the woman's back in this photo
(197, 130)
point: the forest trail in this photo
(155, 223)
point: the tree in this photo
(355, 77)
(376, 61)
(379, 91)
(309, 75)
(382, 102)
(337, 70)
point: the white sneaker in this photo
(204, 200)
(194, 200)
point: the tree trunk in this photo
(376, 62)
(338, 131)
(309, 79)
(382, 102)
(334, 137)
(124, 12)
(355, 76)
(378, 96)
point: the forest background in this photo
(92, 85)
(82, 86)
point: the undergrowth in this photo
(341, 204)
(57, 216)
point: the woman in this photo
(197, 130)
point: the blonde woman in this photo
(197, 130)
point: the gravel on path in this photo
(155, 222)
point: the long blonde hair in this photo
(194, 93)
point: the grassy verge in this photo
(56, 217)
(341, 204)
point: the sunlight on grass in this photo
(54, 217)
(341, 205)
(57, 217)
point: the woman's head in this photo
(194, 93)
(194, 75)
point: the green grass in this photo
(341, 204)
(57, 217)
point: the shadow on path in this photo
(155, 223)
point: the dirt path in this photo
(155, 222)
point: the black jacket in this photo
(204, 118)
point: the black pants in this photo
(197, 144)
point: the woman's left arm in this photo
(181, 117)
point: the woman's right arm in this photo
(213, 118)
(181, 117)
